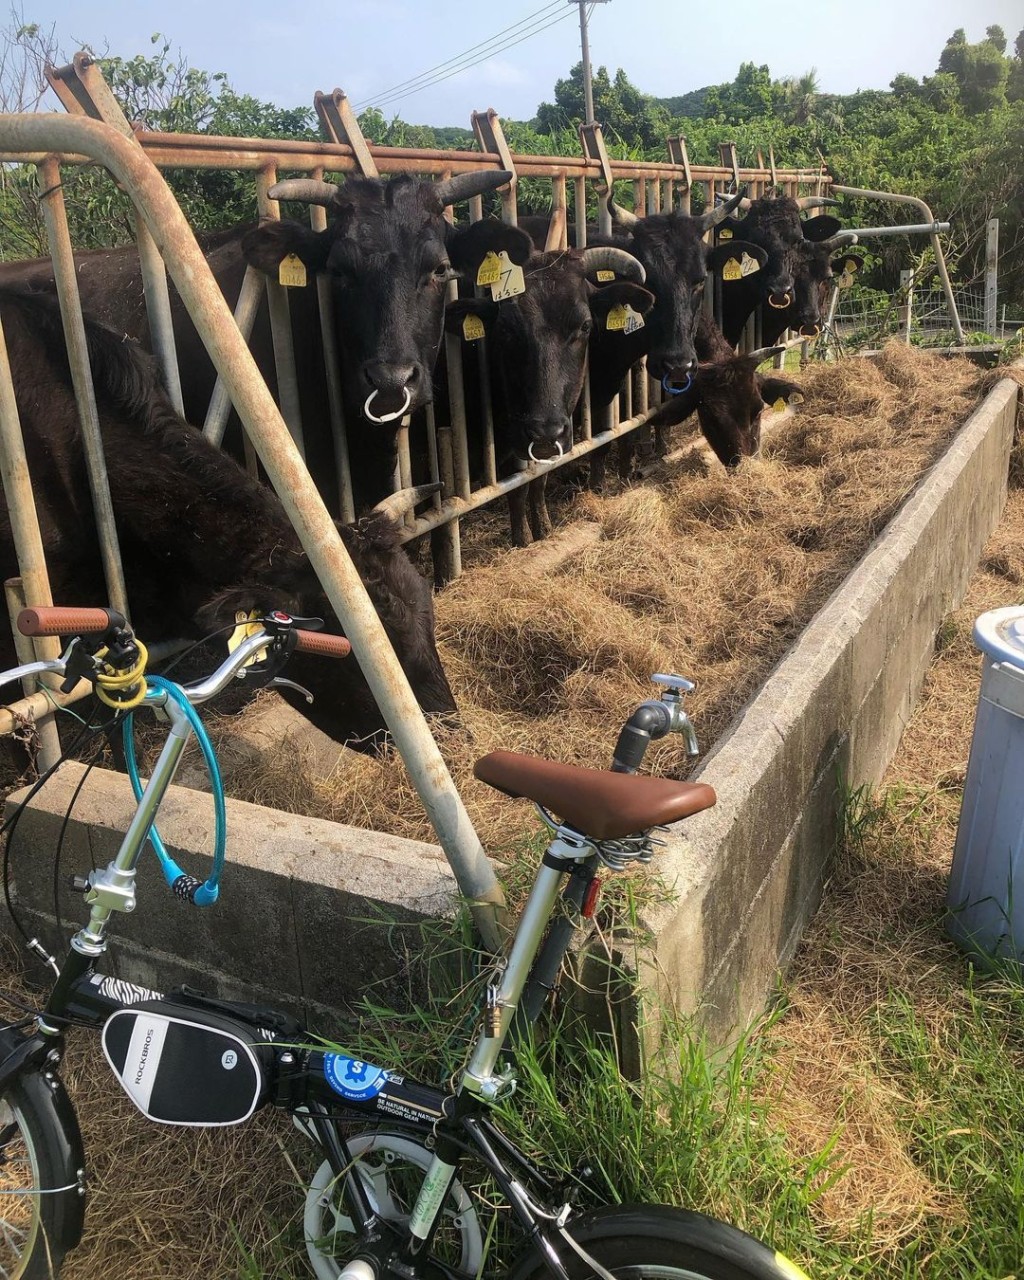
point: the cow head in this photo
(677, 261)
(388, 254)
(343, 706)
(537, 342)
(729, 397)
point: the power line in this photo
(465, 60)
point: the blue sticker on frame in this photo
(352, 1078)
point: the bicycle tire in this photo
(658, 1242)
(42, 1206)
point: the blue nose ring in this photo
(677, 391)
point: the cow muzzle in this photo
(545, 451)
(780, 301)
(677, 381)
(392, 387)
(810, 330)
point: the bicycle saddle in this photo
(602, 805)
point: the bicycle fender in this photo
(21, 1056)
(681, 1226)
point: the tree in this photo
(633, 118)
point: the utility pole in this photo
(588, 87)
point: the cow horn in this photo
(762, 354)
(816, 202)
(743, 206)
(839, 240)
(401, 503)
(607, 257)
(712, 217)
(305, 190)
(463, 186)
(620, 217)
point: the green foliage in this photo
(626, 115)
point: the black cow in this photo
(676, 261)
(199, 539)
(792, 286)
(728, 396)
(388, 253)
(536, 351)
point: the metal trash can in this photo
(986, 883)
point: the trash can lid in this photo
(1000, 634)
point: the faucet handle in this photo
(677, 685)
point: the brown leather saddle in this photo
(601, 804)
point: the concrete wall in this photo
(748, 874)
(301, 895)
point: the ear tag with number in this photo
(851, 266)
(749, 265)
(489, 271)
(779, 405)
(292, 272)
(472, 328)
(604, 275)
(511, 281)
(725, 233)
(246, 625)
(796, 398)
(731, 270)
(845, 281)
(624, 319)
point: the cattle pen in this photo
(96, 132)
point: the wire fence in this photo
(867, 317)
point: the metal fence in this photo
(866, 317)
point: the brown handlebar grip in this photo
(322, 643)
(64, 620)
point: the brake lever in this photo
(279, 682)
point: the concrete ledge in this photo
(300, 915)
(747, 875)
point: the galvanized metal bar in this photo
(48, 749)
(339, 122)
(853, 234)
(481, 497)
(595, 152)
(24, 522)
(991, 276)
(445, 540)
(66, 278)
(246, 309)
(579, 204)
(491, 138)
(281, 322)
(940, 258)
(557, 237)
(332, 373)
(158, 309)
(291, 480)
(490, 471)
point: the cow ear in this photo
(774, 389)
(821, 227)
(848, 262)
(457, 313)
(620, 293)
(224, 609)
(264, 246)
(733, 259)
(468, 246)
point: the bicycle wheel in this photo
(657, 1242)
(391, 1168)
(41, 1204)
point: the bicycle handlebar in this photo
(65, 620)
(322, 643)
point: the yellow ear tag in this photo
(779, 405)
(725, 233)
(616, 318)
(246, 625)
(472, 328)
(749, 265)
(845, 281)
(292, 272)
(604, 275)
(489, 271)
(851, 266)
(511, 281)
(796, 398)
(731, 270)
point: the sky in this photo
(282, 53)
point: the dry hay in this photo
(694, 571)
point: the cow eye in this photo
(441, 274)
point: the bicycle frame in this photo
(453, 1123)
